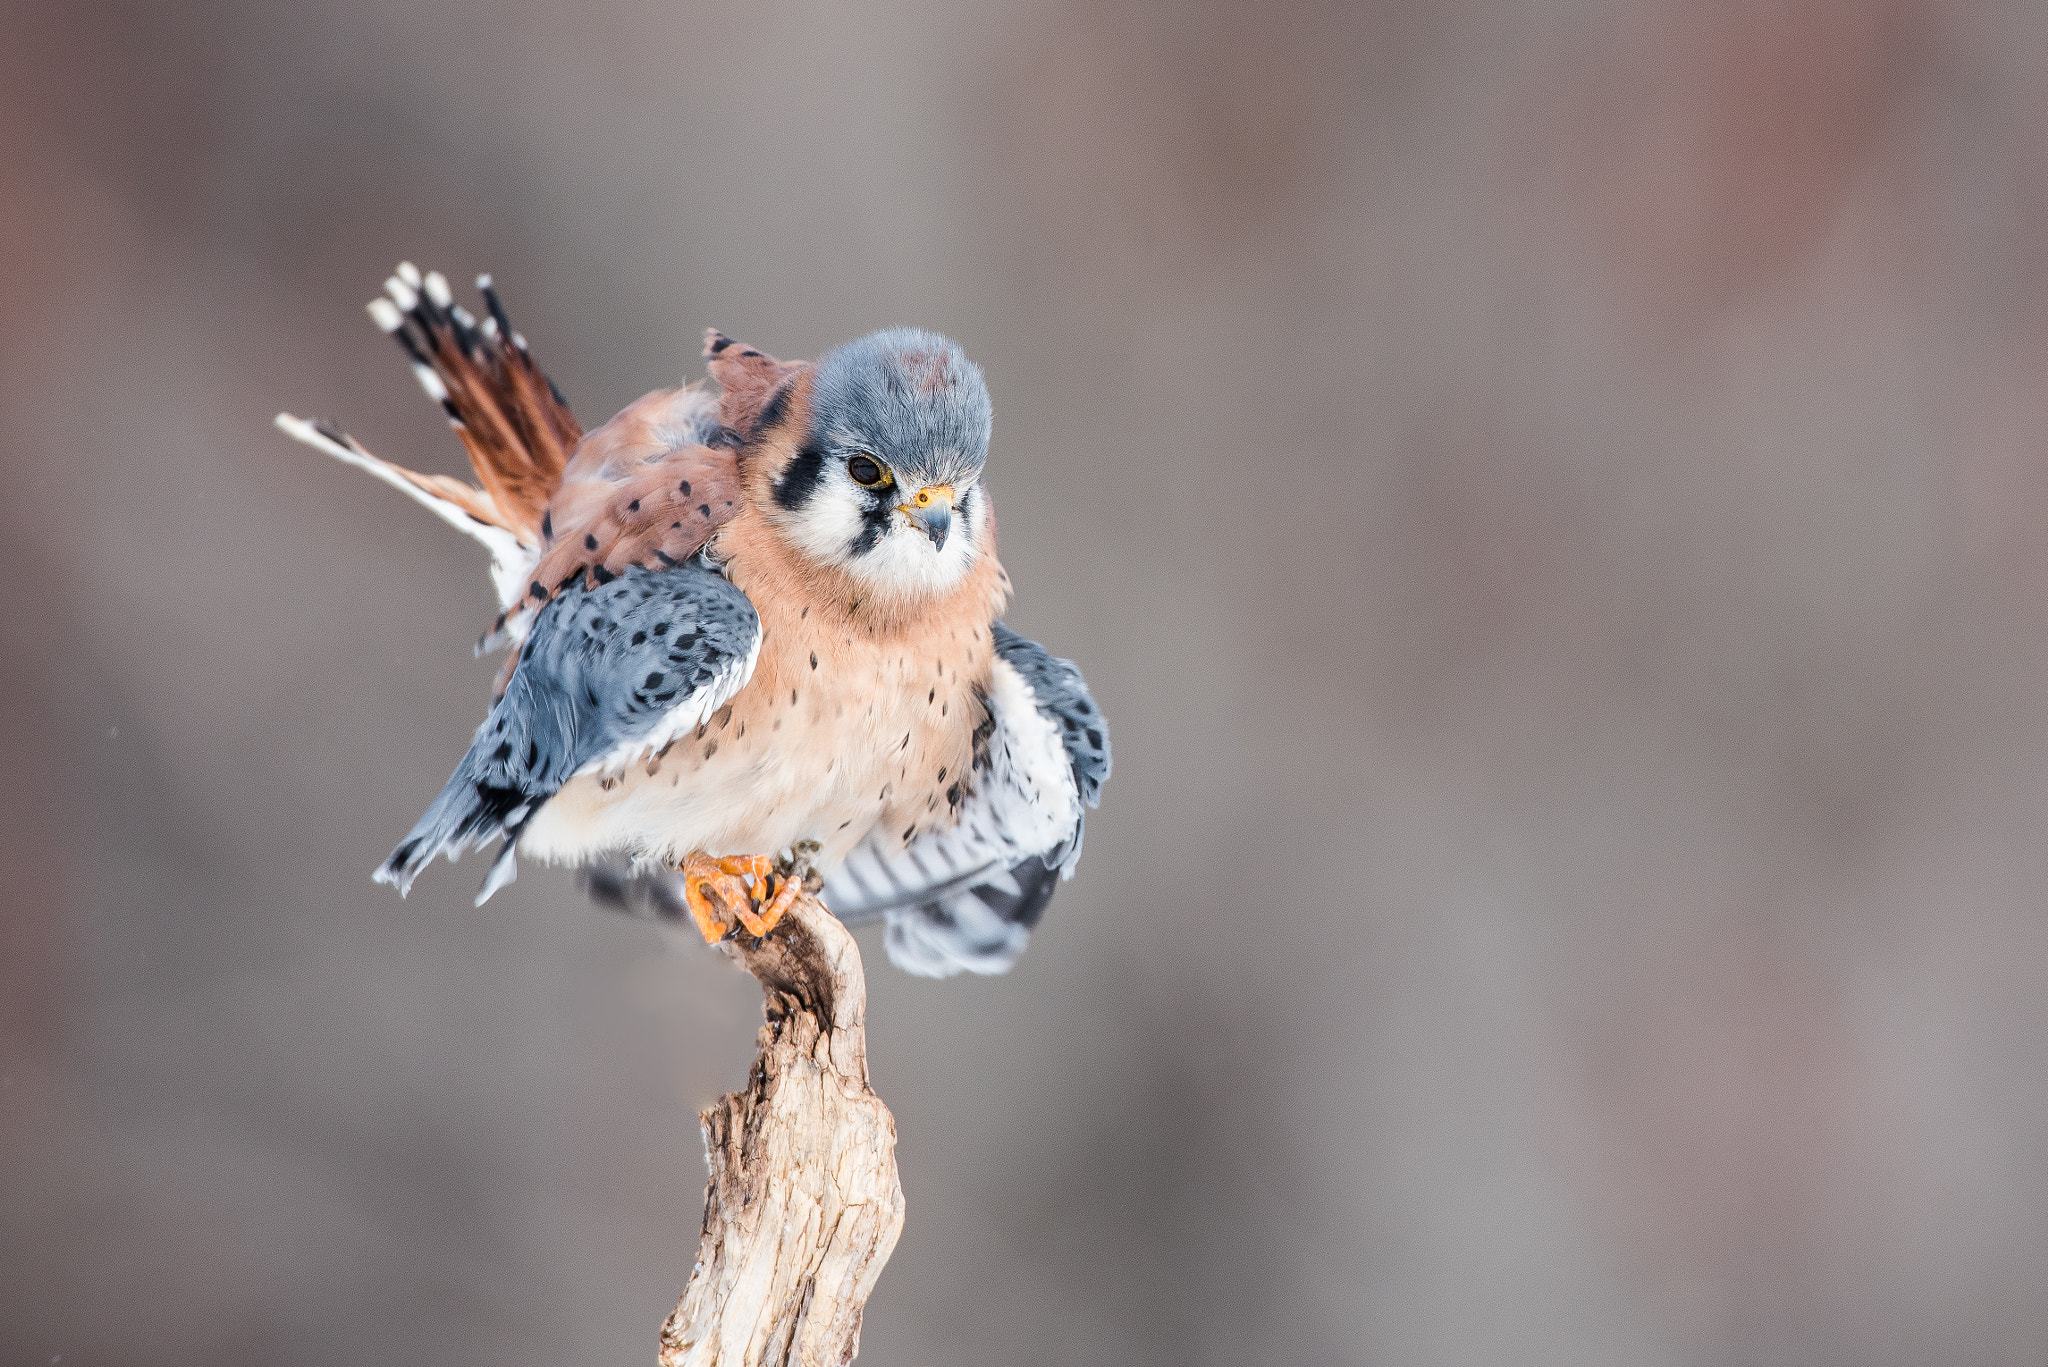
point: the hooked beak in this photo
(932, 510)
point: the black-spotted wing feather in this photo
(606, 673)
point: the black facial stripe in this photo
(880, 507)
(800, 478)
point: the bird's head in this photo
(883, 442)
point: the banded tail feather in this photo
(511, 418)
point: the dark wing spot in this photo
(634, 506)
(814, 659)
(639, 638)
(653, 681)
(704, 508)
(537, 590)
(589, 542)
(711, 749)
(685, 486)
(942, 775)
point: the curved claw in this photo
(715, 886)
(773, 909)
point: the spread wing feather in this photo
(967, 897)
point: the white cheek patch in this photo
(903, 560)
(826, 524)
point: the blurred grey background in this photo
(1553, 497)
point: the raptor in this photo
(753, 638)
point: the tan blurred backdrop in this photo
(1553, 498)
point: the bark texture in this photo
(803, 1207)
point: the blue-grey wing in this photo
(606, 673)
(967, 897)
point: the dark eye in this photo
(867, 471)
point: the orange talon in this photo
(773, 909)
(717, 885)
(704, 878)
(754, 866)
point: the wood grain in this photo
(803, 1207)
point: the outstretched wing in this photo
(967, 897)
(607, 673)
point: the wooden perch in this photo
(803, 1207)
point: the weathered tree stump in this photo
(803, 1207)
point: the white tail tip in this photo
(385, 315)
(437, 289)
(430, 382)
(409, 273)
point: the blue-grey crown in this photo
(910, 396)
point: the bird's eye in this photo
(867, 471)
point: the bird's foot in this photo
(717, 893)
(738, 886)
(793, 876)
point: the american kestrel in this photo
(754, 636)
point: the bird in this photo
(754, 641)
